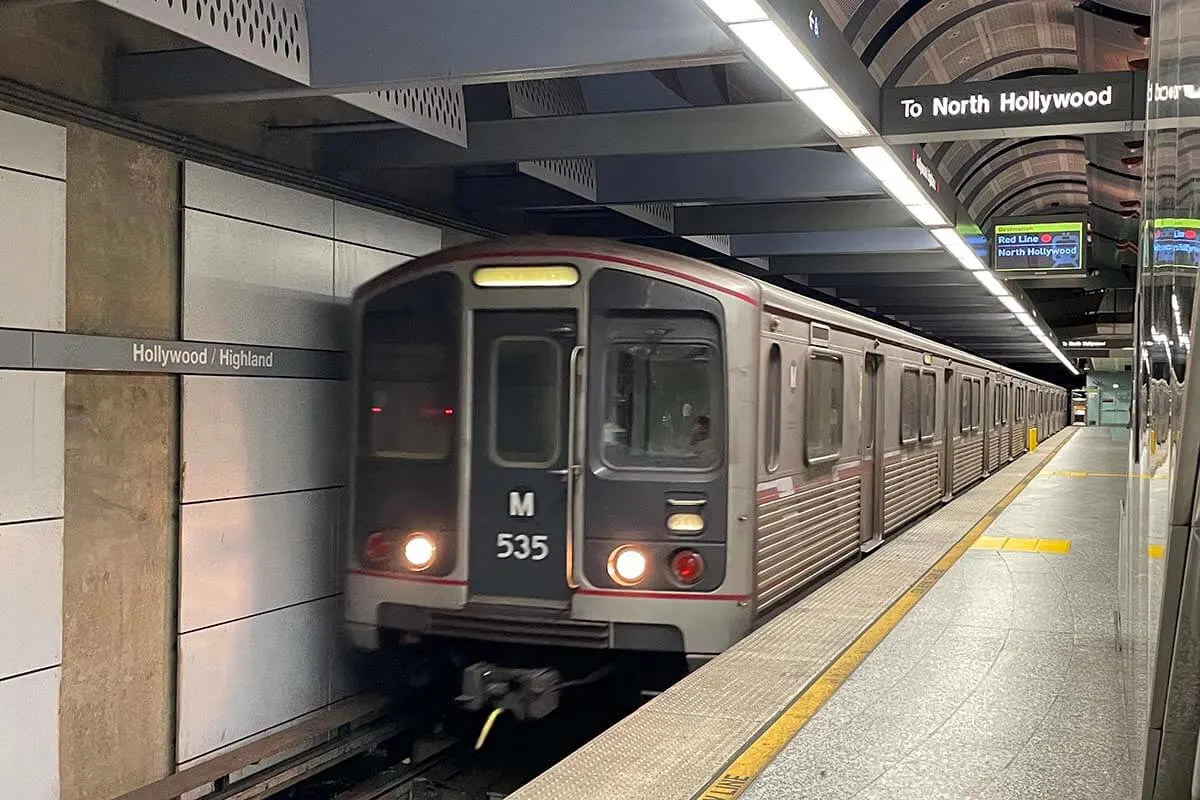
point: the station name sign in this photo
(165, 356)
(1105, 97)
(56, 350)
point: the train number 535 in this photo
(521, 546)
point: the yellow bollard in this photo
(1033, 439)
(1153, 441)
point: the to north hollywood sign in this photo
(1109, 97)
(1034, 100)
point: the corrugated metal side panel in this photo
(968, 461)
(804, 534)
(910, 487)
(1018, 440)
(993, 451)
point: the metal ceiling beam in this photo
(792, 174)
(370, 45)
(750, 218)
(898, 280)
(835, 243)
(713, 129)
(871, 263)
(882, 295)
(489, 192)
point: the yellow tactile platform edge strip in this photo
(732, 781)
(1020, 544)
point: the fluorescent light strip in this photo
(778, 54)
(991, 283)
(879, 162)
(926, 214)
(1011, 303)
(833, 111)
(732, 11)
(905, 191)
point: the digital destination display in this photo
(1177, 243)
(1045, 247)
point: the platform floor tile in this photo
(1004, 682)
(675, 745)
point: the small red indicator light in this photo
(376, 409)
(687, 566)
(1190, 235)
(377, 548)
(1046, 238)
(448, 412)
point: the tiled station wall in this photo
(264, 459)
(32, 295)
(254, 642)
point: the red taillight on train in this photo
(378, 549)
(687, 566)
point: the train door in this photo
(519, 455)
(951, 430)
(871, 535)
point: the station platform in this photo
(973, 656)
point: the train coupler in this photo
(525, 693)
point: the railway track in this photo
(367, 748)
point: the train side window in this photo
(526, 401)
(774, 407)
(823, 407)
(975, 403)
(928, 404)
(910, 406)
(964, 404)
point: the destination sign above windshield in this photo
(1105, 97)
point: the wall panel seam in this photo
(28, 672)
(277, 493)
(263, 613)
(31, 521)
(310, 234)
(31, 173)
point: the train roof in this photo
(726, 280)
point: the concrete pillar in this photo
(121, 470)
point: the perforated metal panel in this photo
(436, 110)
(549, 98)
(272, 34)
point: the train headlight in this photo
(419, 551)
(627, 565)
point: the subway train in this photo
(568, 447)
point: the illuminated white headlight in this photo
(419, 550)
(627, 565)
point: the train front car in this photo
(554, 464)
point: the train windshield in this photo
(661, 401)
(411, 388)
(410, 363)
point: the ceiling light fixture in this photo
(779, 54)
(828, 106)
(732, 11)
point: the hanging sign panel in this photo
(1051, 248)
(975, 109)
(1177, 242)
